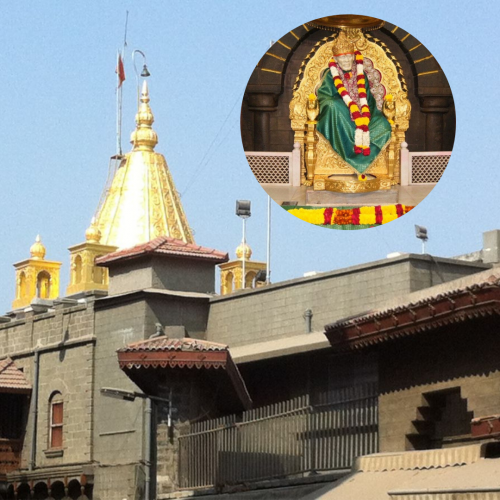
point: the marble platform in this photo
(330, 199)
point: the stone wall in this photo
(64, 339)
(193, 400)
(465, 356)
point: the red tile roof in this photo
(475, 296)
(11, 378)
(163, 245)
(165, 344)
(166, 353)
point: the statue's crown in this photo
(342, 45)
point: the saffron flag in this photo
(120, 71)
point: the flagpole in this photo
(118, 108)
(119, 92)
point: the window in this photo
(56, 421)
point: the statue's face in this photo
(345, 61)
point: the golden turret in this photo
(36, 277)
(142, 202)
(38, 250)
(243, 251)
(231, 276)
(92, 234)
(84, 274)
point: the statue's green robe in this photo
(334, 122)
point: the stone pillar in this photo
(434, 107)
(261, 105)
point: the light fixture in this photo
(243, 210)
(421, 234)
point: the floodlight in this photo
(118, 394)
(261, 276)
(243, 209)
(421, 233)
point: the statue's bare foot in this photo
(308, 183)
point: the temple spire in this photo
(144, 138)
(142, 202)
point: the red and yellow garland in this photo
(355, 216)
(361, 118)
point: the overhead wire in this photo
(206, 158)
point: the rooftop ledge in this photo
(352, 270)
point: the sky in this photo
(58, 128)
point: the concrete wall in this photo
(183, 275)
(173, 311)
(129, 276)
(277, 311)
(162, 272)
(465, 355)
(118, 425)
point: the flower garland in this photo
(355, 216)
(361, 118)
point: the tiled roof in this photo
(11, 378)
(163, 353)
(165, 344)
(456, 301)
(163, 245)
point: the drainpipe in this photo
(34, 409)
(147, 450)
(308, 317)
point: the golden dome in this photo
(243, 249)
(37, 250)
(92, 234)
(144, 138)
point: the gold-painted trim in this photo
(405, 37)
(428, 73)
(307, 29)
(291, 31)
(416, 47)
(274, 55)
(284, 45)
(423, 59)
(394, 30)
(351, 185)
(271, 71)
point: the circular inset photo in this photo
(348, 122)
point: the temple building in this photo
(373, 381)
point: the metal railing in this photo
(285, 439)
